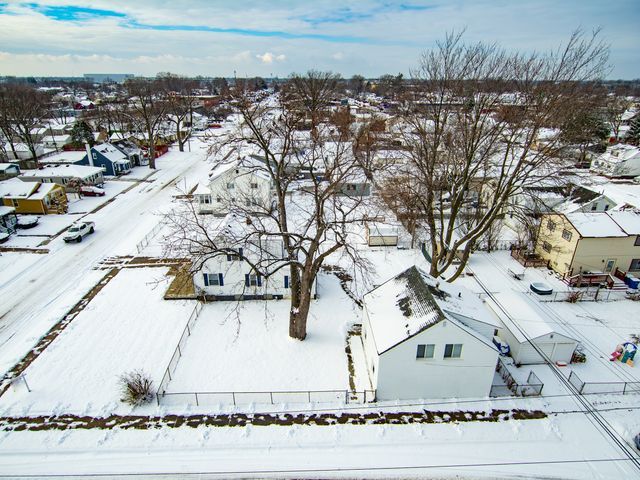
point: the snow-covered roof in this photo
(382, 230)
(524, 321)
(66, 157)
(6, 166)
(6, 210)
(43, 190)
(111, 152)
(16, 188)
(62, 170)
(595, 225)
(628, 220)
(414, 301)
(401, 308)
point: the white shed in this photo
(380, 235)
(415, 348)
(525, 327)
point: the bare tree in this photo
(484, 124)
(181, 102)
(149, 106)
(308, 215)
(23, 110)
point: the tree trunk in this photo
(152, 150)
(300, 303)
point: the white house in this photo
(427, 339)
(618, 161)
(242, 184)
(63, 173)
(229, 275)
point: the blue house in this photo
(112, 161)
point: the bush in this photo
(574, 297)
(136, 388)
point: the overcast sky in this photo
(278, 37)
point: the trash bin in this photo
(632, 281)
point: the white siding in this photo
(401, 376)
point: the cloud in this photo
(338, 56)
(269, 58)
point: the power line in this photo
(327, 470)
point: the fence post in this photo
(624, 389)
(197, 404)
(271, 396)
(158, 398)
(346, 396)
(233, 395)
(309, 393)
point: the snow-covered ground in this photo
(88, 204)
(126, 327)
(246, 347)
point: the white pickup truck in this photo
(78, 230)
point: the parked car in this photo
(91, 191)
(79, 230)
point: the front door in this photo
(609, 266)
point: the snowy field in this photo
(246, 347)
(127, 326)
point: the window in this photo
(213, 279)
(606, 207)
(546, 246)
(230, 186)
(232, 257)
(15, 202)
(218, 199)
(566, 234)
(254, 185)
(635, 264)
(637, 242)
(452, 350)
(205, 198)
(351, 187)
(286, 282)
(252, 280)
(425, 351)
(551, 225)
(594, 207)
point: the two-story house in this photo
(592, 242)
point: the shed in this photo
(525, 329)
(9, 170)
(380, 235)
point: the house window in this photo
(230, 186)
(551, 225)
(606, 207)
(254, 185)
(637, 242)
(218, 199)
(351, 187)
(594, 207)
(234, 257)
(15, 202)
(213, 279)
(425, 351)
(286, 282)
(453, 350)
(635, 264)
(546, 246)
(566, 234)
(205, 198)
(252, 280)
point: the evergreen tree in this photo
(81, 133)
(633, 135)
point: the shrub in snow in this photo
(136, 388)
(574, 297)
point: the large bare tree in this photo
(148, 105)
(309, 212)
(481, 125)
(23, 110)
(181, 101)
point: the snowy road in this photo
(36, 297)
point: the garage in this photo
(525, 326)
